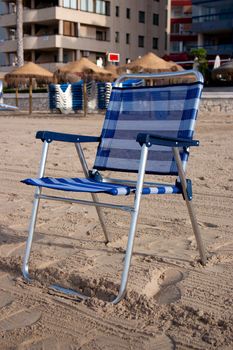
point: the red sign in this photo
(113, 57)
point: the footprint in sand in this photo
(169, 292)
(113, 342)
(208, 224)
(19, 319)
(5, 299)
(47, 344)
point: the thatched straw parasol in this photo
(85, 69)
(225, 71)
(27, 72)
(150, 63)
(111, 68)
(2, 75)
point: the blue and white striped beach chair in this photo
(4, 106)
(146, 130)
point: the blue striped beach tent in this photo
(66, 97)
(147, 130)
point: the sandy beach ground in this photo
(172, 302)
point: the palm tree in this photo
(19, 29)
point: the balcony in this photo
(8, 45)
(56, 41)
(213, 3)
(45, 15)
(8, 20)
(214, 50)
(82, 43)
(29, 16)
(176, 14)
(213, 22)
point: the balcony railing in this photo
(47, 36)
(225, 49)
(213, 17)
(183, 33)
(56, 41)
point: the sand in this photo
(173, 302)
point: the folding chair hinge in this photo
(95, 175)
(47, 140)
(189, 190)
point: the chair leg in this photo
(101, 219)
(94, 195)
(25, 267)
(133, 225)
(128, 256)
(195, 226)
(196, 231)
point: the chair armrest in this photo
(150, 139)
(50, 136)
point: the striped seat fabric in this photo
(162, 110)
(92, 186)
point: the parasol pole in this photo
(17, 96)
(30, 95)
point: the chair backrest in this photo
(168, 110)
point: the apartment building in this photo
(182, 38)
(213, 21)
(60, 31)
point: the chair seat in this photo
(93, 186)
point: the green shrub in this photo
(200, 53)
(8, 90)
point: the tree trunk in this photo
(19, 27)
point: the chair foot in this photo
(77, 296)
(69, 292)
(25, 273)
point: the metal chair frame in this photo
(133, 210)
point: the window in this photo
(117, 11)
(117, 37)
(128, 13)
(127, 38)
(181, 28)
(155, 43)
(87, 5)
(69, 28)
(101, 35)
(72, 4)
(140, 41)
(166, 16)
(176, 46)
(141, 17)
(107, 3)
(155, 19)
(175, 28)
(100, 7)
